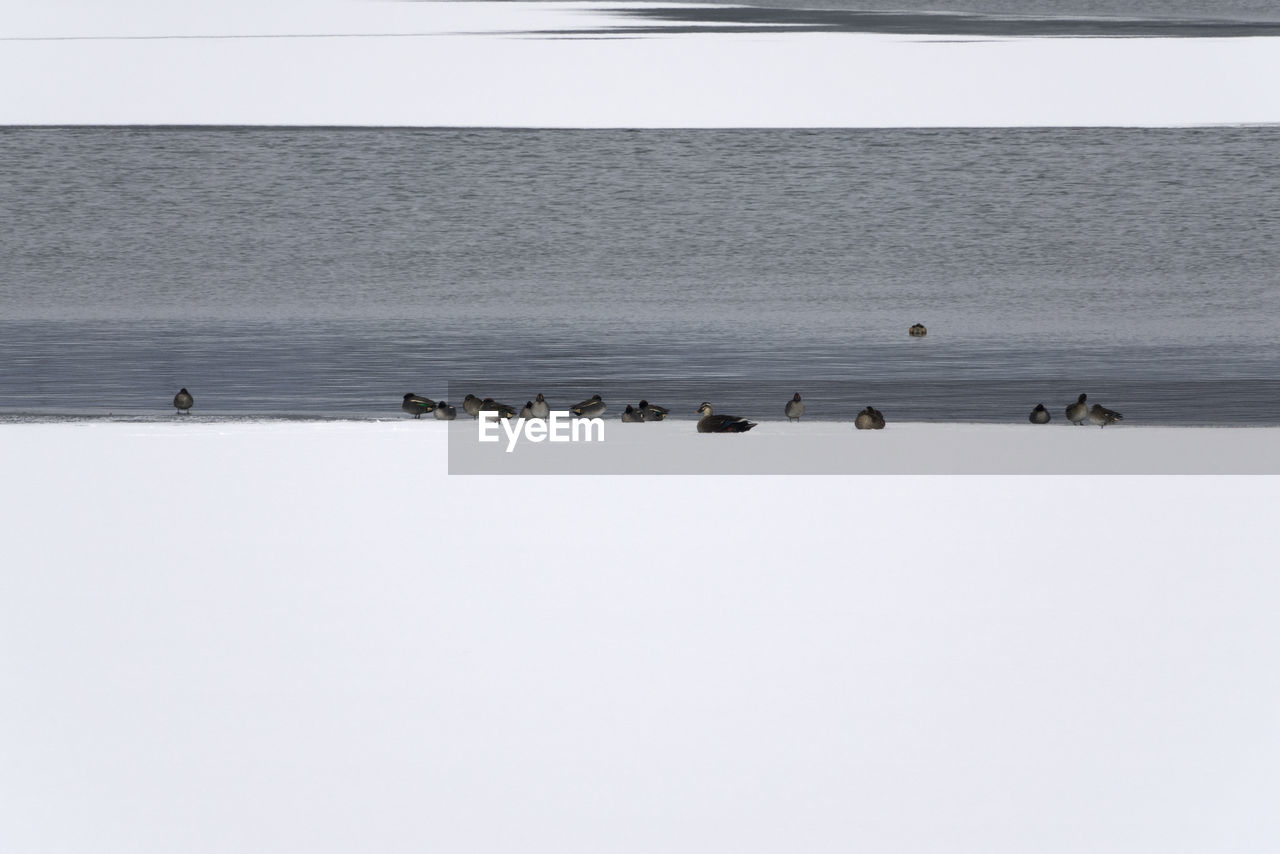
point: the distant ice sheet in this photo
(483, 64)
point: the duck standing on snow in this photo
(589, 408)
(712, 423)
(1078, 412)
(651, 411)
(526, 411)
(540, 408)
(794, 408)
(471, 405)
(183, 401)
(491, 405)
(1102, 416)
(416, 405)
(1039, 415)
(445, 412)
(869, 419)
(631, 415)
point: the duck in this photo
(631, 415)
(1102, 416)
(592, 407)
(491, 405)
(445, 412)
(526, 412)
(183, 401)
(539, 408)
(794, 408)
(918, 331)
(471, 405)
(1078, 412)
(653, 412)
(416, 405)
(712, 423)
(869, 419)
(1039, 415)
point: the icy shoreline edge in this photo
(675, 448)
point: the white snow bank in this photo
(828, 447)
(467, 64)
(305, 637)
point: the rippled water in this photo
(326, 272)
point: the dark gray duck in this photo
(503, 410)
(183, 401)
(471, 405)
(416, 405)
(712, 423)
(653, 412)
(794, 408)
(631, 415)
(1078, 412)
(540, 408)
(526, 411)
(1102, 416)
(1039, 415)
(869, 419)
(592, 407)
(445, 412)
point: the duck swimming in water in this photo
(1039, 415)
(794, 408)
(1102, 416)
(183, 401)
(416, 405)
(1078, 412)
(712, 423)
(918, 331)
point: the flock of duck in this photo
(709, 420)
(1079, 412)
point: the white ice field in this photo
(376, 62)
(308, 637)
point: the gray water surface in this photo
(326, 272)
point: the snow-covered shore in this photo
(486, 64)
(829, 447)
(306, 636)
